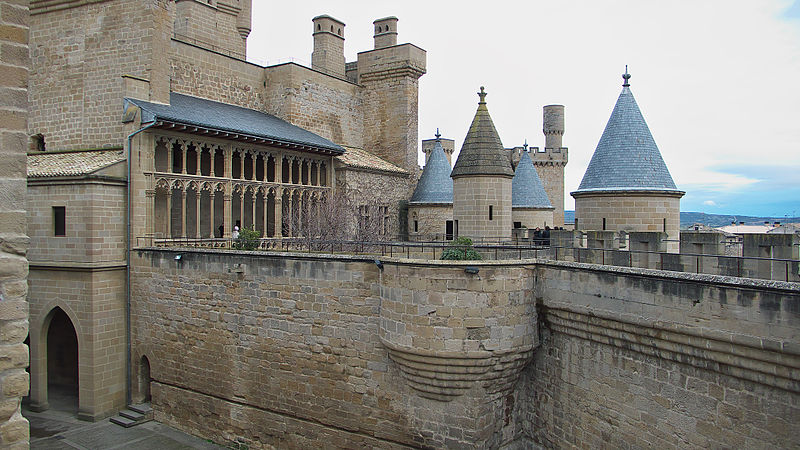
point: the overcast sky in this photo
(717, 81)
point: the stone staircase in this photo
(134, 415)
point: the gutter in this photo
(129, 233)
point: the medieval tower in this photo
(550, 163)
(627, 186)
(482, 181)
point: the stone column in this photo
(169, 214)
(151, 210)
(183, 213)
(265, 221)
(227, 157)
(241, 164)
(279, 213)
(211, 212)
(198, 152)
(253, 207)
(241, 208)
(170, 155)
(197, 213)
(184, 157)
(290, 210)
(227, 212)
(14, 430)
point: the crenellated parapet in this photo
(456, 329)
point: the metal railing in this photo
(738, 266)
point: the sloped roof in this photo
(527, 190)
(67, 164)
(482, 152)
(362, 159)
(193, 111)
(435, 184)
(626, 158)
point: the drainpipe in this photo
(129, 234)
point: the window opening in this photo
(59, 221)
(491, 211)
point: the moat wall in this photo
(288, 350)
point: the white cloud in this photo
(710, 203)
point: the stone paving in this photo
(60, 429)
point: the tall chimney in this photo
(385, 32)
(328, 55)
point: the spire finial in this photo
(437, 134)
(482, 95)
(626, 76)
(525, 145)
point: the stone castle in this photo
(147, 124)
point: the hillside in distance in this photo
(713, 220)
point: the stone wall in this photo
(472, 197)
(95, 225)
(550, 163)
(197, 72)
(630, 212)
(290, 350)
(372, 189)
(210, 26)
(431, 221)
(637, 358)
(79, 105)
(285, 350)
(14, 63)
(532, 218)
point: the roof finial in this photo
(525, 145)
(437, 134)
(482, 95)
(626, 76)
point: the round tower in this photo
(553, 126)
(482, 182)
(551, 161)
(328, 54)
(385, 32)
(627, 186)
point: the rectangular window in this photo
(455, 231)
(448, 230)
(416, 226)
(604, 223)
(59, 221)
(490, 212)
(517, 224)
(665, 225)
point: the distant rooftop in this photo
(435, 184)
(72, 163)
(234, 122)
(527, 190)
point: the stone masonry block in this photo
(14, 384)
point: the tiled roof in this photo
(71, 163)
(527, 190)
(482, 152)
(626, 158)
(360, 158)
(435, 184)
(187, 110)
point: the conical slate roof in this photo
(527, 190)
(435, 184)
(482, 152)
(626, 158)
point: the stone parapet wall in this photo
(14, 379)
(637, 358)
(268, 349)
(532, 218)
(286, 341)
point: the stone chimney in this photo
(385, 32)
(328, 55)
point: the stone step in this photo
(133, 415)
(124, 422)
(142, 408)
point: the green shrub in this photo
(461, 250)
(248, 239)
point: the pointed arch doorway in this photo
(61, 355)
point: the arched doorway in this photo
(144, 379)
(62, 362)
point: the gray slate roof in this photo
(435, 184)
(482, 152)
(626, 158)
(527, 190)
(187, 110)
